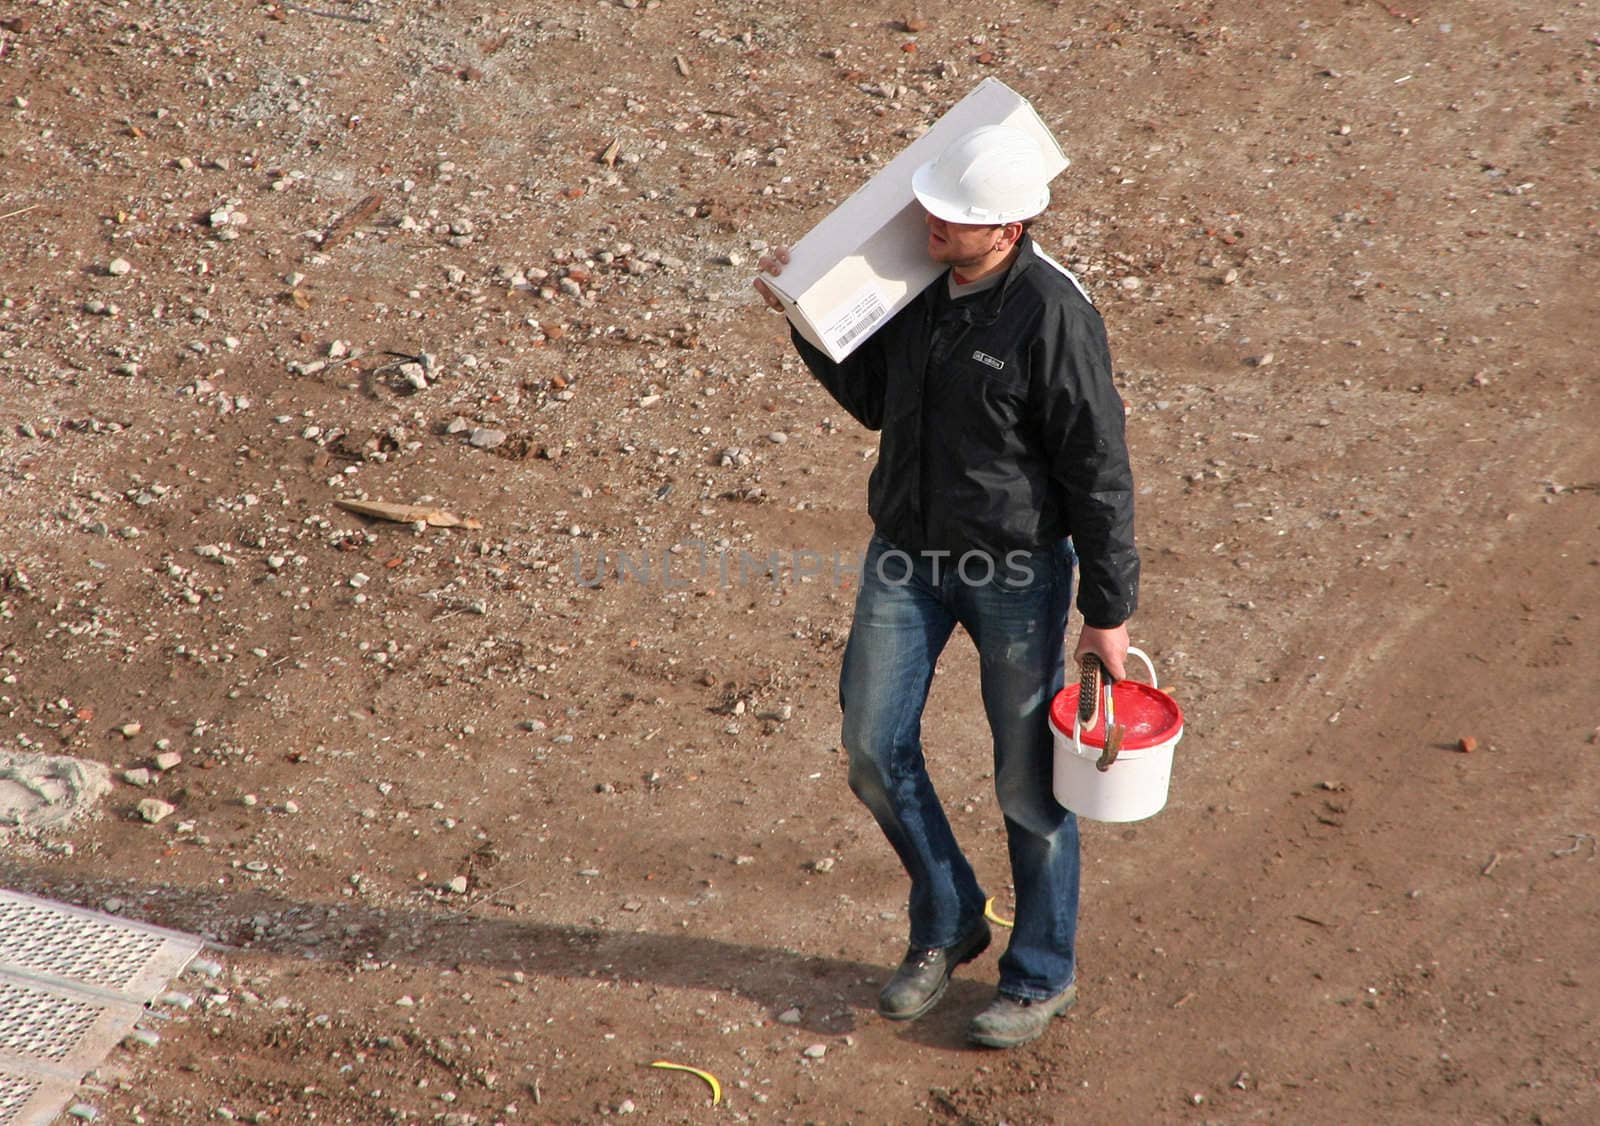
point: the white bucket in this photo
(1135, 785)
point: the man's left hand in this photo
(772, 264)
(1111, 645)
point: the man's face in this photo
(968, 248)
(960, 243)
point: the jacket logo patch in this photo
(985, 358)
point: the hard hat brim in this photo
(924, 187)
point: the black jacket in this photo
(1001, 428)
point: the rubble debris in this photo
(48, 791)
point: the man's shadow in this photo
(259, 921)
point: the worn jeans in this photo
(906, 609)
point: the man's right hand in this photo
(1110, 645)
(771, 264)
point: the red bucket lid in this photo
(1148, 716)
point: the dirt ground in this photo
(483, 839)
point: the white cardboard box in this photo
(868, 257)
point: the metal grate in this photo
(16, 1092)
(73, 983)
(41, 1025)
(88, 950)
(27, 1099)
(47, 940)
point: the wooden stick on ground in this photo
(409, 513)
(352, 219)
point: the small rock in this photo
(457, 425)
(154, 810)
(815, 1051)
(823, 865)
(458, 885)
(118, 267)
(486, 439)
(626, 1107)
(1466, 744)
(167, 760)
(138, 776)
(129, 730)
(789, 1016)
(777, 437)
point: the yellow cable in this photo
(716, 1088)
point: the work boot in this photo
(921, 979)
(1009, 1021)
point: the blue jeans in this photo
(1016, 614)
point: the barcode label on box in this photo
(859, 316)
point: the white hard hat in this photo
(991, 175)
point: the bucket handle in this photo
(1077, 740)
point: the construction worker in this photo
(1002, 463)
